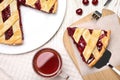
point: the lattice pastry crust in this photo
(48, 6)
(10, 23)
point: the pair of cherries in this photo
(86, 2)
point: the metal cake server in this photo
(104, 60)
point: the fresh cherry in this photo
(79, 11)
(94, 2)
(85, 2)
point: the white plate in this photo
(38, 28)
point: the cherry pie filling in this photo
(52, 8)
(22, 1)
(82, 44)
(1, 1)
(37, 5)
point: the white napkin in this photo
(4, 75)
(110, 22)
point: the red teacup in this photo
(47, 63)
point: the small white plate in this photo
(38, 28)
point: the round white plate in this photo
(38, 28)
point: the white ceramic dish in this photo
(38, 28)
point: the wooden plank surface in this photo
(107, 74)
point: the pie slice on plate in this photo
(90, 43)
(10, 23)
(48, 6)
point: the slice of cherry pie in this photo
(48, 6)
(10, 20)
(90, 43)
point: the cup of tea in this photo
(48, 63)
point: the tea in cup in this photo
(48, 63)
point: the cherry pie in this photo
(10, 21)
(48, 6)
(90, 43)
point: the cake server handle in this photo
(107, 2)
(114, 69)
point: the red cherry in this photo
(94, 2)
(79, 11)
(85, 2)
